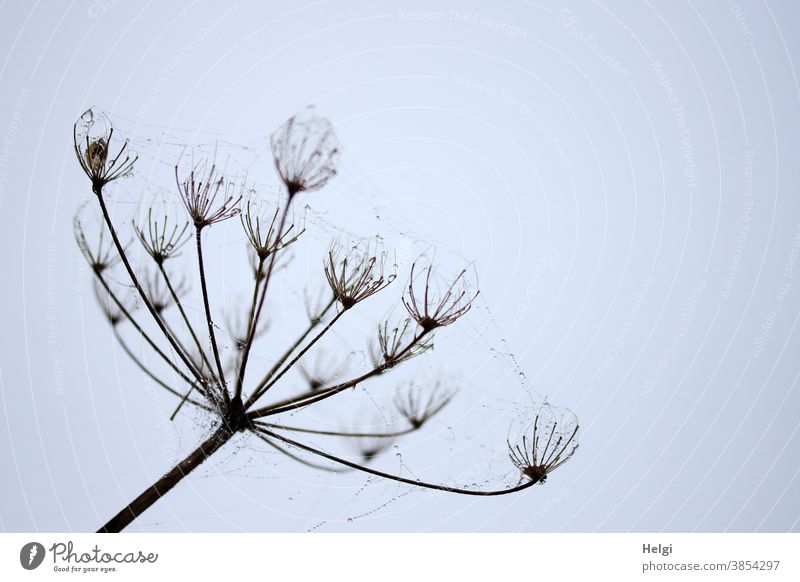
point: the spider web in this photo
(472, 355)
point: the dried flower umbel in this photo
(547, 445)
(209, 198)
(161, 240)
(305, 151)
(431, 307)
(93, 141)
(100, 256)
(264, 239)
(357, 273)
(392, 341)
(418, 405)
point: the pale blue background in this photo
(627, 259)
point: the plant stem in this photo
(294, 360)
(212, 336)
(254, 324)
(135, 281)
(160, 488)
(177, 301)
(272, 371)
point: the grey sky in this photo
(624, 181)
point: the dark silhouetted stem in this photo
(424, 484)
(135, 281)
(189, 326)
(160, 488)
(314, 323)
(212, 336)
(254, 324)
(300, 354)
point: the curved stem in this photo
(297, 458)
(338, 433)
(397, 478)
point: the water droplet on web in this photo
(87, 118)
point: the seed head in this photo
(237, 322)
(200, 193)
(323, 369)
(357, 273)
(370, 447)
(547, 445)
(160, 241)
(432, 308)
(398, 344)
(418, 405)
(158, 292)
(101, 256)
(264, 239)
(92, 138)
(305, 152)
(112, 312)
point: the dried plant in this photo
(433, 307)
(357, 273)
(323, 369)
(547, 445)
(92, 136)
(305, 153)
(390, 349)
(159, 240)
(418, 405)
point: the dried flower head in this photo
(370, 447)
(547, 445)
(432, 308)
(103, 255)
(258, 268)
(237, 323)
(111, 310)
(418, 405)
(159, 240)
(269, 240)
(398, 344)
(357, 273)
(159, 293)
(317, 305)
(305, 152)
(200, 193)
(323, 369)
(92, 136)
